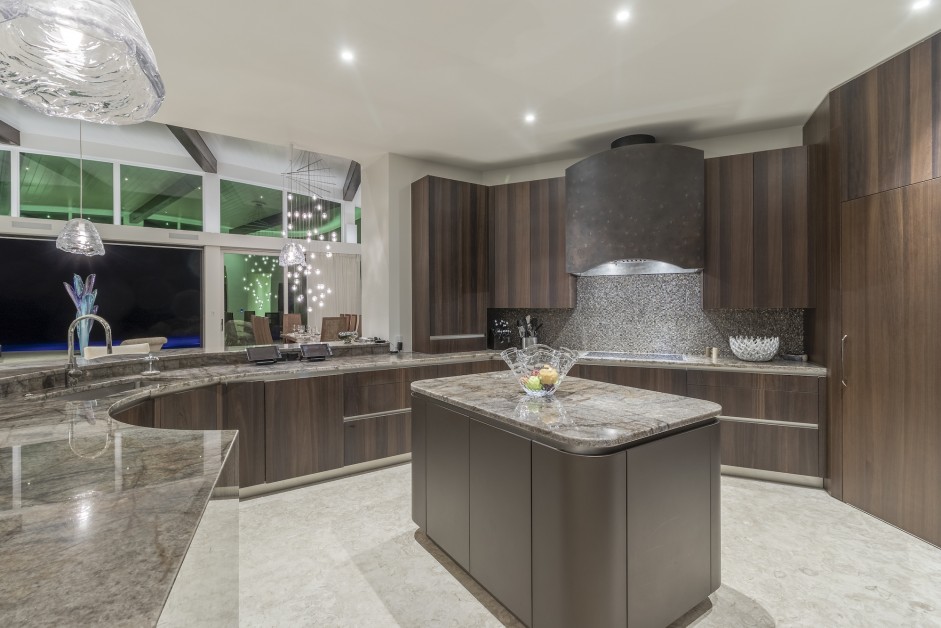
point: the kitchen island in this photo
(598, 507)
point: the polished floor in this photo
(346, 553)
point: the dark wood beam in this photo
(9, 135)
(268, 222)
(353, 178)
(196, 146)
(180, 188)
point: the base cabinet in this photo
(303, 426)
(244, 410)
(196, 409)
(448, 477)
(561, 539)
(501, 516)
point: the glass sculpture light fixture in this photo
(292, 254)
(83, 59)
(80, 236)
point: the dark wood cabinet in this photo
(447, 481)
(729, 275)
(891, 300)
(527, 246)
(303, 426)
(140, 414)
(758, 241)
(244, 410)
(671, 381)
(376, 437)
(450, 265)
(500, 516)
(195, 409)
(891, 123)
(756, 411)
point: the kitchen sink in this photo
(100, 392)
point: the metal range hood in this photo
(635, 209)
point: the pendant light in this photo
(80, 236)
(82, 59)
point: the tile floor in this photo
(346, 553)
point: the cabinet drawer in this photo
(377, 437)
(790, 383)
(769, 405)
(672, 381)
(770, 447)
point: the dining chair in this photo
(262, 330)
(330, 326)
(289, 322)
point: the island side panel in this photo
(670, 526)
(579, 538)
(447, 488)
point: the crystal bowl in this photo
(754, 348)
(539, 369)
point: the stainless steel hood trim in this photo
(635, 267)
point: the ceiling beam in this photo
(180, 188)
(9, 135)
(353, 178)
(261, 224)
(196, 146)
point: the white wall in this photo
(387, 241)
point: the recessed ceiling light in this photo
(921, 4)
(622, 16)
(529, 118)
(348, 56)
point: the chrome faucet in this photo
(72, 371)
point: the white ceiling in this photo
(450, 80)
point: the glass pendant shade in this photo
(292, 254)
(80, 237)
(82, 59)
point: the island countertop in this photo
(583, 417)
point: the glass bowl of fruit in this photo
(539, 369)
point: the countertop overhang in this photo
(583, 417)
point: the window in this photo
(161, 198)
(49, 188)
(250, 209)
(5, 196)
(317, 219)
(254, 286)
(359, 225)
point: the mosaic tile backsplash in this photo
(655, 314)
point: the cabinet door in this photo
(376, 437)
(728, 279)
(891, 124)
(672, 381)
(140, 414)
(244, 410)
(447, 481)
(891, 302)
(449, 265)
(195, 409)
(783, 272)
(303, 426)
(527, 246)
(501, 516)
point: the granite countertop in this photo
(702, 363)
(96, 516)
(583, 417)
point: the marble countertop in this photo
(583, 417)
(702, 363)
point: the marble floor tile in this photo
(346, 553)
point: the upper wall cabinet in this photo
(757, 231)
(527, 246)
(891, 123)
(449, 265)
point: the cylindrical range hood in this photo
(636, 209)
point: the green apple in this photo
(534, 383)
